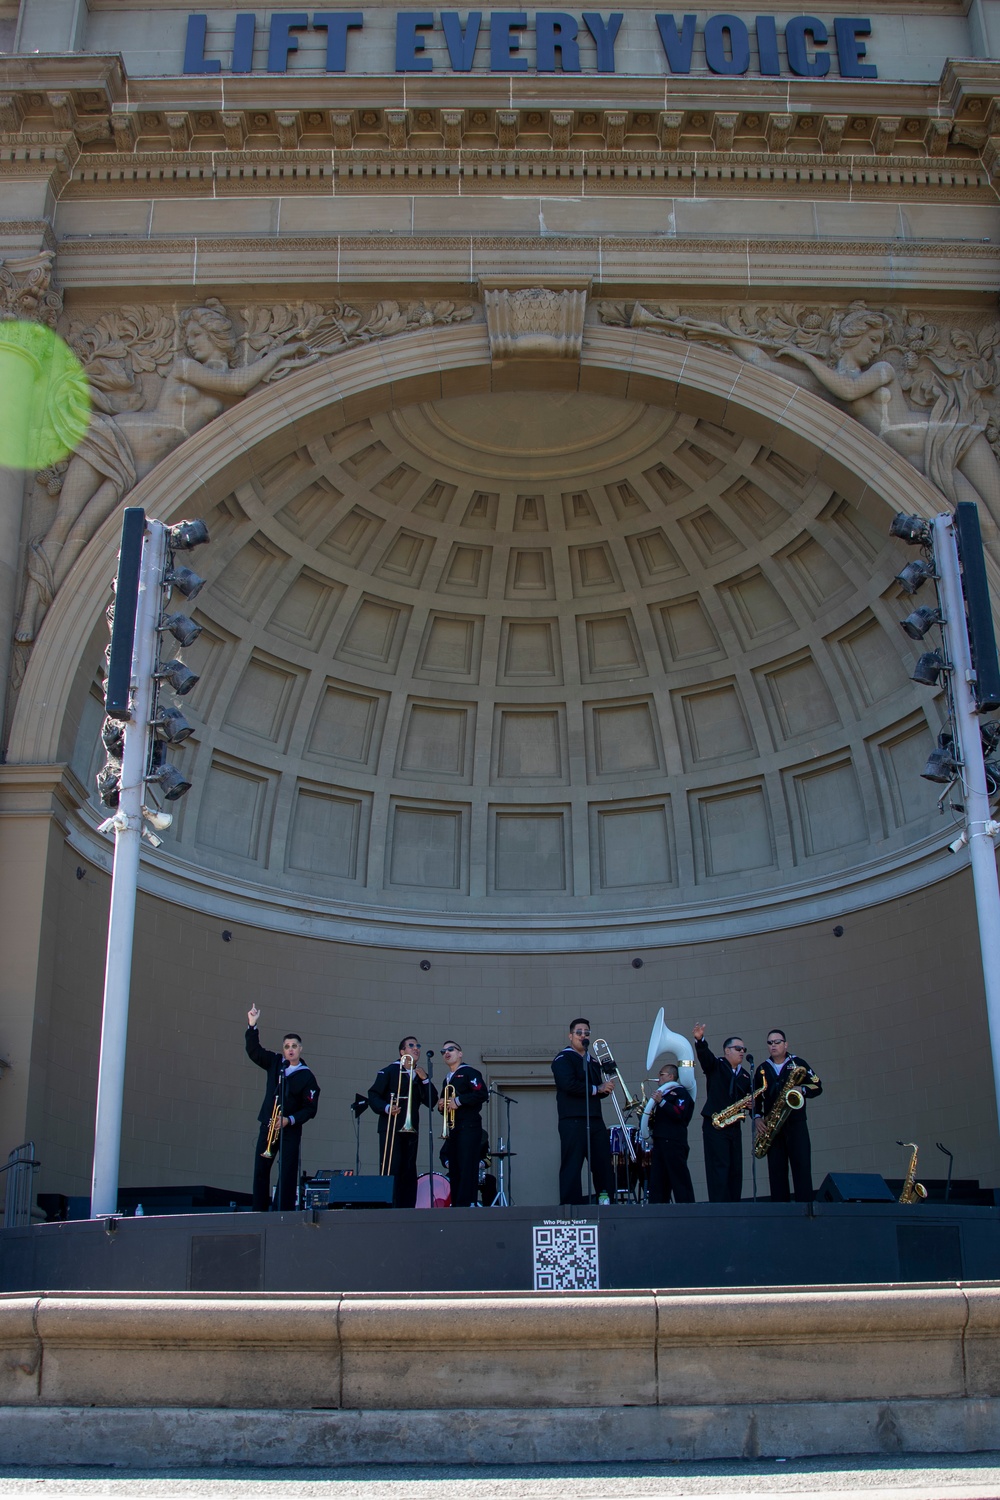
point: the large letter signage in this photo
(517, 41)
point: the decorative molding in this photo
(26, 291)
(534, 322)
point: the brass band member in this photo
(791, 1146)
(668, 1127)
(388, 1100)
(727, 1081)
(580, 1087)
(290, 1099)
(465, 1124)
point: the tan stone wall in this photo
(890, 1015)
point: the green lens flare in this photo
(44, 397)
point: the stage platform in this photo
(508, 1250)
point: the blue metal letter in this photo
(604, 34)
(243, 39)
(556, 32)
(505, 43)
(409, 43)
(796, 32)
(337, 24)
(461, 44)
(195, 60)
(678, 47)
(715, 44)
(850, 49)
(767, 47)
(281, 42)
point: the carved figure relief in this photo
(931, 392)
(156, 379)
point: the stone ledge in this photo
(165, 1438)
(616, 1349)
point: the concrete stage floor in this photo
(469, 1250)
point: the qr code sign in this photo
(565, 1257)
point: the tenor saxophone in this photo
(913, 1191)
(790, 1098)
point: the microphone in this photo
(748, 1058)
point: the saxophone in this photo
(790, 1098)
(913, 1191)
(736, 1113)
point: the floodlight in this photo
(170, 781)
(113, 738)
(914, 576)
(178, 674)
(911, 529)
(992, 769)
(989, 733)
(109, 783)
(181, 628)
(171, 725)
(185, 581)
(187, 534)
(920, 621)
(928, 669)
(941, 765)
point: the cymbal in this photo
(496, 1155)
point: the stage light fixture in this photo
(914, 576)
(941, 765)
(171, 725)
(182, 628)
(928, 669)
(920, 621)
(109, 783)
(989, 733)
(178, 674)
(992, 768)
(911, 529)
(113, 738)
(170, 781)
(187, 534)
(185, 581)
(161, 821)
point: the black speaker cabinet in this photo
(360, 1192)
(854, 1187)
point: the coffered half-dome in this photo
(542, 661)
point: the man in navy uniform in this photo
(791, 1147)
(466, 1133)
(580, 1087)
(291, 1085)
(727, 1082)
(382, 1098)
(668, 1127)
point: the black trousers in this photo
(723, 1162)
(286, 1151)
(403, 1165)
(573, 1144)
(668, 1172)
(791, 1148)
(464, 1150)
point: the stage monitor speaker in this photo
(854, 1187)
(360, 1192)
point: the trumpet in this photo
(273, 1130)
(448, 1107)
(407, 1065)
(602, 1053)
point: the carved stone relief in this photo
(928, 388)
(535, 322)
(157, 377)
(26, 291)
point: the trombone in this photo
(407, 1065)
(602, 1053)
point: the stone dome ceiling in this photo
(543, 653)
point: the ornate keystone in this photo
(535, 322)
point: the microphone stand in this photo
(430, 1129)
(503, 1196)
(281, 1128)
(748, 1058)
(586, 1099)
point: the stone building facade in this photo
(548, 383)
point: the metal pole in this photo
(982, 854)
(124, 880)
